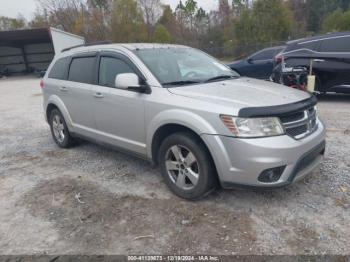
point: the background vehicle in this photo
(258, 65)
(331, 60)
(182, 109)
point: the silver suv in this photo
(182, 109)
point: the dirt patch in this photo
(301, 237)
(91, 218)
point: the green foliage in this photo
(127, 22)
(318, 10)
(99, 3)
(168, 17)
(337, 21)
(267, 22)
(7, 23)
(161, 34)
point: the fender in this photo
(55, 100)
(177, 116)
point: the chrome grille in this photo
(300, 124)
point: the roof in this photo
(319, 37)
(20, 37)
(135, 46)
(129, 46)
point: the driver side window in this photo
(263, 55)
(110, 67)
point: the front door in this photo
(118, 113)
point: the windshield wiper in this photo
(180, 83)
(220, 78)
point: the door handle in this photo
(98, 95)
(319, 60)
(63, 89)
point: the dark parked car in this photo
(331, 60)
(258, 65)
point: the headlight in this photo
(253, 127)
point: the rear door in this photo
(118, 113)
(77, 91)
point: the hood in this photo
(242, 92)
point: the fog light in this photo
(271, 175)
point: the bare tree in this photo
(152, 11)
(69, 14)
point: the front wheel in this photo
(186, 166)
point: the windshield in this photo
(181, 66)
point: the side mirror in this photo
(127, 80)
(250, 60)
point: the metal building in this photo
(32, 50)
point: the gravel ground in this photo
(92, 200)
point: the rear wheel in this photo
(59, 130)
(186, 166)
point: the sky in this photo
(12, 8)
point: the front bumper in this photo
(241, 161)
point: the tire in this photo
(59, 130)
(186, 166)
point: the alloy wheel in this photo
(58, 128)
(182, 167)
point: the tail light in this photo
(42, 84)
(279, 58)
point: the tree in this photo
(238, 6)
(127, 22)
(40, 19)
(297, 8)
(70, 15)
(318, 10)
(151, 10)
(224, 12)
(256, 25)
(7, 23)
(337, 21)
(169, 21)
(161, 34)
(190, 10)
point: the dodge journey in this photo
(181, 109)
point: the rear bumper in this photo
(241, 161)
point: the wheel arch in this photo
(173, 121)
(55, 102)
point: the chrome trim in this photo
(307, 120)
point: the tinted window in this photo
(302, 45)
(264, 55)
(171, 65)
(59, 69)
(110, 68)
(308, 45)
(81, 70)
(336, 45)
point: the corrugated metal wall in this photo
(27, 58)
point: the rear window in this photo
(59, 69)
(82, 70)
(341, 44)
(303, 45)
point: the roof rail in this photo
(88, 44)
